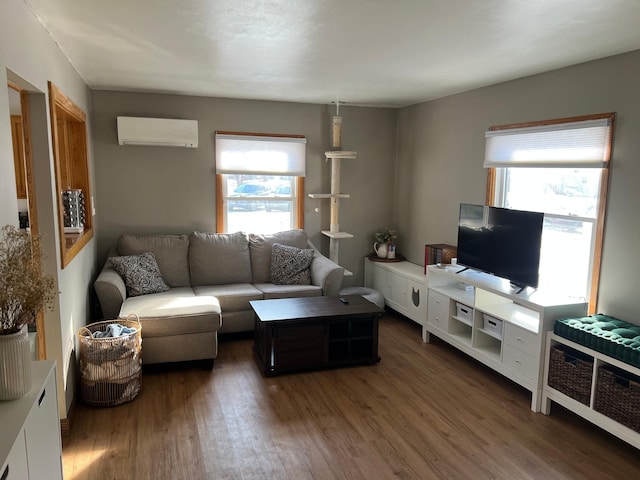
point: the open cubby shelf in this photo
(590, 411)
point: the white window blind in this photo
(582, 144)
(260, 155)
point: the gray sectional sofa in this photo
(210, 279)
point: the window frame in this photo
(298, 206)
(69, 142)
(596, 253)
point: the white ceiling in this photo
(366, 52)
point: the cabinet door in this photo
(15, 468)
(381, 282)
(42, 433)
(399, 291)
(417, 302)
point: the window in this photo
(558, 167)
(259, 182)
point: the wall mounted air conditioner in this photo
(163, 132)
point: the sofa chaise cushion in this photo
(178, 311)
(171, 252)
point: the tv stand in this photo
(480, 315)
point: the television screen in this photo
(500, 241)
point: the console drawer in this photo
(438, 310)
(438, 319)
(438, 301)
(522, 363)
(521, 339)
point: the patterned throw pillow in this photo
(140, 273)
(290, 265)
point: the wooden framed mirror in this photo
(69, 137)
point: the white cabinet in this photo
(30, 444)
(402, 285)
(482, 316)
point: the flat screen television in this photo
(501, 241)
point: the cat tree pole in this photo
(335, 155)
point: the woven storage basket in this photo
(571, 372)
(618, 396)
(110, 368)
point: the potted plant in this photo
(383, 238)
(25, 290)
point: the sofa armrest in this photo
(326, 274)
(111, 291)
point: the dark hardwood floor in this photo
(424, 412)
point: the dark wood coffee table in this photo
(315, 332)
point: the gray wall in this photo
(172, 190)
(29, 57)
(441, 150)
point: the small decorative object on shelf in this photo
(383, 242)
(438, 253)
(74, 211)
(391, 251)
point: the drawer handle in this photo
(42, 397)
(519, 339)
(518, 362)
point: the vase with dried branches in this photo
(25, 290)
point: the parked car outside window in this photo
(281, 191)
(242, 197)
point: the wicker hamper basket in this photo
(618, 396)
(570, 372)
(111, 367)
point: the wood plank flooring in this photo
(425, 412)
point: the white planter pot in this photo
(15, 365)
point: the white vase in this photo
(380, 249)
(15, 365)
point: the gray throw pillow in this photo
(140, 273)
(290, 265)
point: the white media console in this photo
(482, 316)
